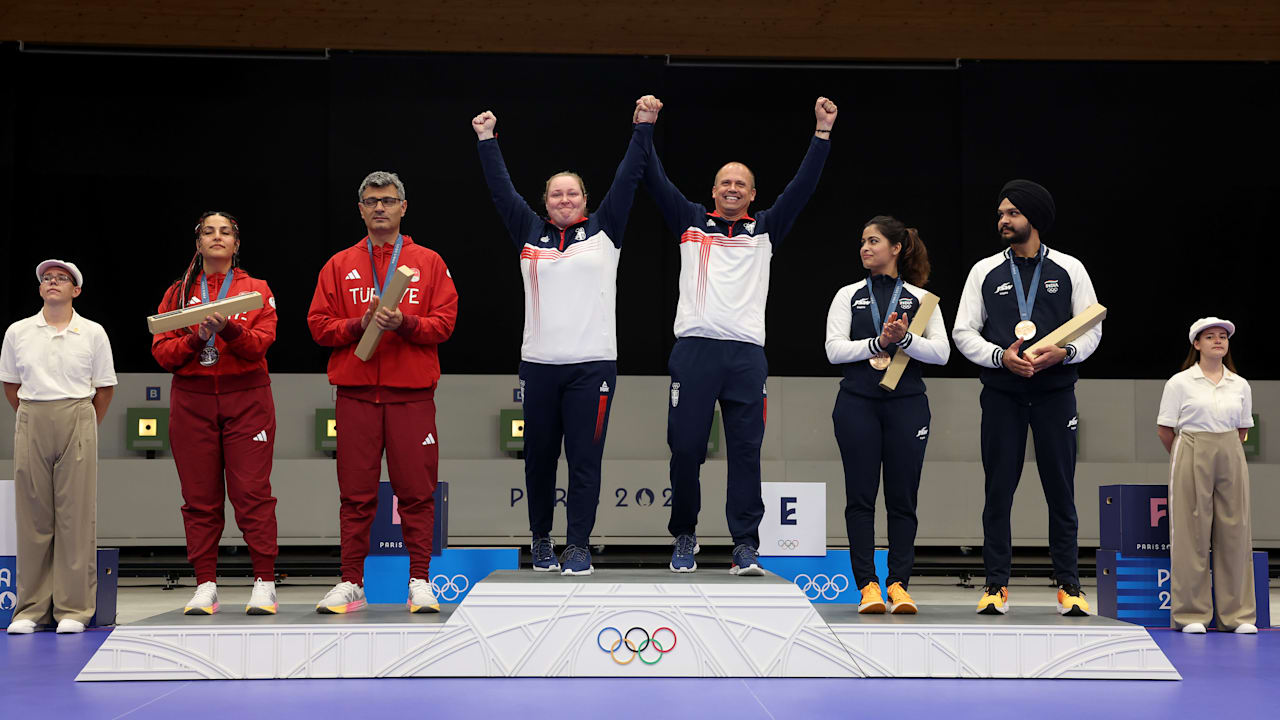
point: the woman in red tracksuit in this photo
(222, 418)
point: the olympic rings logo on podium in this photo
(791, 544)
(822, 586)
(637, 651)
(450, 588)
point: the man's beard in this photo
(1017, 238)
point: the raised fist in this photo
(647, 109)
(825, 111)
(483, 124)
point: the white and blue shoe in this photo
(576, 561)
(746, 561)
(544, 555)
(685, 547)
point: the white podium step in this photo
(656, 623)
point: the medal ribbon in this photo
(1026, 302)
(222, 294)
(391, 266)
(875, 307)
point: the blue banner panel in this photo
(826, 579)
(1138, 590)
(385, 537)
(8, 588)
(453, 573)
(1134, 519)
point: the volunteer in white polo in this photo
(58, 375)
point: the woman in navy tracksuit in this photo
(866, 326)
(568, 368)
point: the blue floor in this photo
(1224, 676)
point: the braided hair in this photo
(188, 280)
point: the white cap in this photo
(1208, 322)
(69, 267)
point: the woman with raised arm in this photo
(568, 368)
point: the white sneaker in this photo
(262, 601)
(22, 627)
(1246, 629)
(345, 597)
(421, 597)
(204, 601)
(1193, 629)
(67, 626)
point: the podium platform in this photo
(629, 623)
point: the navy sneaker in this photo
(576, 561)
(746, 561)
(544, 555)
(686, 546)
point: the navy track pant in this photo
(1052, 419)
(704, 371)
(568, 403)
(888, 432)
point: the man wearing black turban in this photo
(1016, 296)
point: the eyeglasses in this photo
(388, 202)
(55, 279)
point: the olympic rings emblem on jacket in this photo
(623, 639)
(821, 586)
(789, 544)
(450, 588)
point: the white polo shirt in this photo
(54, 365)
(1191, 402)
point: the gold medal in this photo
(1025, 330)
(880, 361)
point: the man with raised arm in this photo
(719, 351)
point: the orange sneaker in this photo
(872, 601)
(995, 600)
(1071, 601)
(900, 602)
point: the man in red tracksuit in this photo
(387, 402)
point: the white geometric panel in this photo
(705, 625)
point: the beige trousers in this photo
(1209, 508)
(55, 472)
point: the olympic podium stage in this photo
(629, 623)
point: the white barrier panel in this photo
(795, 518)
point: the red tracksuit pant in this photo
(232, 433)
(407, 430)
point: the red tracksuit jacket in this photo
(406, 358)
(242, 344)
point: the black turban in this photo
(1032, 200)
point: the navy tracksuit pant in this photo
(1052, 418)
(568, 403)
(704, 371)
(872, 432)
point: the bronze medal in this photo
(1025, 330)
(880, 361)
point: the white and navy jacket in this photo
(724, 266)
(852, 337)
(570, 275)
(989, 311)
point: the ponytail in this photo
(913, 258)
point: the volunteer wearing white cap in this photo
(1205, 413)
(58, 375)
